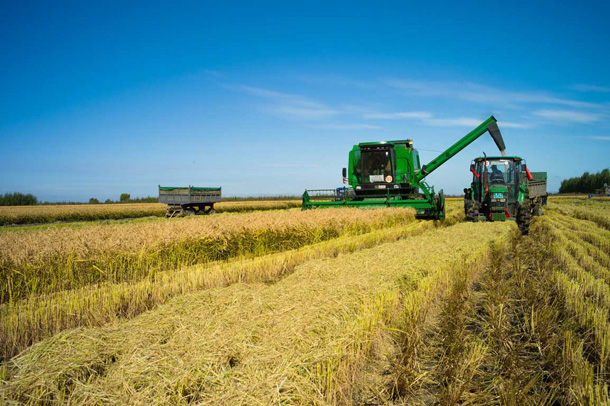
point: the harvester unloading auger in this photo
(389, 174)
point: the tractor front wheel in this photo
(524, 217)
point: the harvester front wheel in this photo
(440, 206)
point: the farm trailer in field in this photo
(186, 201)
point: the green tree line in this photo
(18, 199)
(587, 183)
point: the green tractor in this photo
(389, 174)
(503, 189)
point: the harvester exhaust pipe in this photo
(494, 131)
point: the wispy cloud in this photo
(477, 93)
(303, 112)
(568, 116)
(399, 115)
(428, 118)
(590, 88)
(290, 105)
(358, 126)
(286, 165)
(601, 138)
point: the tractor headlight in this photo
(497, 195)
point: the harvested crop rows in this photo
(354, 307)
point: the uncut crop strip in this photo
(94, 212)
(300, 340)
(42, 316)
(52, 260)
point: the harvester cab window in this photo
(376, 166)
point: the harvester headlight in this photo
(358, 188)
(388, 178)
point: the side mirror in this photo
(523, 167)
(345, 172)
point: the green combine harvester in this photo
(389, 174)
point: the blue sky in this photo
(100, 99)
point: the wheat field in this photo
(95, 212)
(328, 307)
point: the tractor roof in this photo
(515, 158)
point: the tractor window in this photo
(503, 172)
(376, 166)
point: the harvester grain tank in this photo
(389, 174)
(502, 189)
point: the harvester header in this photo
(389, 174)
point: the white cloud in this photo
(482, 94)
(590, 88)
(567, 116)
(428, 118)
(290, 105)
(399, 115)
(286, 165)
(304, 112)
(601, 138)
(348, 127)
(453, 122)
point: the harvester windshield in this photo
(376, 165)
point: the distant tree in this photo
(93, 200)
(148, 199)
(18, 199)
(587, 183)
(108, 201)
(125, 197)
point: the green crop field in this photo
(268, 304)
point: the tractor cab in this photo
(495, 184)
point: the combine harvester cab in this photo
(503, 189)
(389, 174)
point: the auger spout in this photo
(490, 125)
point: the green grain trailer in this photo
(389, 174)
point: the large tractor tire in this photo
(472, 211)
(524, 218)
